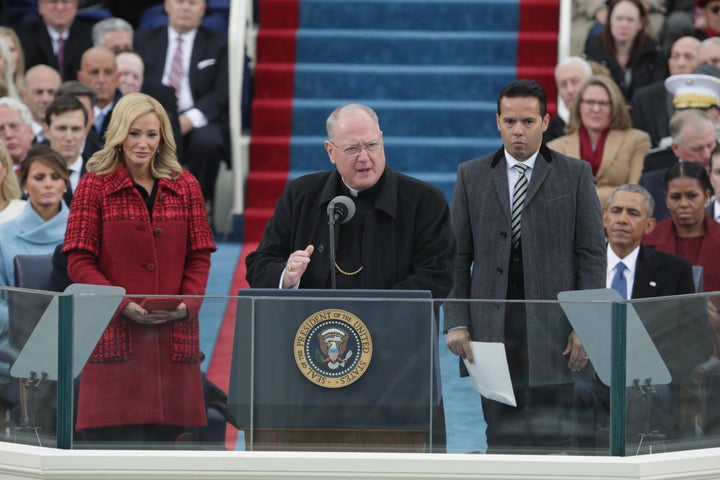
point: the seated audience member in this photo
(88, 98)
(678, 329)
(56, 38)
(600, 133)
(200, 80)
(17, 54)
(709, 52)
(713, 208)
(633, 58)
(41, 83)
(652, 105)
(689, 232)
(99, 72)
(570, 75)
(65, 123)
(693, 140)
(10, 203)
(689, 91)
(41, 225)
(15, 129)
(7, 71)
(113, 33)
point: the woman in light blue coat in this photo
(41, 226)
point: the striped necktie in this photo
(519, 192)
(176, 67)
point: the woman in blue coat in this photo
(41, 226)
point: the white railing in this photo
(239, 29)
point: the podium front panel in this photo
(398, 389)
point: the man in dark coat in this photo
(55, 38)
(558, 247)
(399, 237)
(678, 328)
(652, 105)
(200, 80)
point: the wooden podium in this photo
(335, 370)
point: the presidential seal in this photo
(333, 348)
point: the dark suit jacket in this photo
(37, 44)
(208, 68)
(651, 110)
(166, 96)
(556, 129)
(108, 116)
(710, 209)
(563, 249)
(678, 327)
(659, 159)
(407, 239)
(654, 182)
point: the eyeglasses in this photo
(355, 150)
(590, 104)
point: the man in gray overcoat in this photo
(528, 225)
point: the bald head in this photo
(99, 72)
(683, 55)
(41, 83)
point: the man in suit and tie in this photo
(528, 226)
(88, 98)
(693, 140)
(65, 122)
(677, 327)
(56, 37)
(41, 83)
(99, 72)
(193, 60)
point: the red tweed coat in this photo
(141, 374)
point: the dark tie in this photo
(519, 192)
(619, 283)
(61, 56)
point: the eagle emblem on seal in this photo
(333, 345)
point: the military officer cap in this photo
(692, 90)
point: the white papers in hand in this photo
(490, 373)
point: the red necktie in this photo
(176, 68)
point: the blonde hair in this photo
(9, 71)
(619, 115)
(19, 74)
(128, 109)
(10, 187)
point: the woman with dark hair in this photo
(689, 232)
(41, 226)
(600, 132)
(633, 58)
(138, 221)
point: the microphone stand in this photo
(331, 228)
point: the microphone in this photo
(341, 209)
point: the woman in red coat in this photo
(138, 221)
(689, 232)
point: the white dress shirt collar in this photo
(630, 262)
